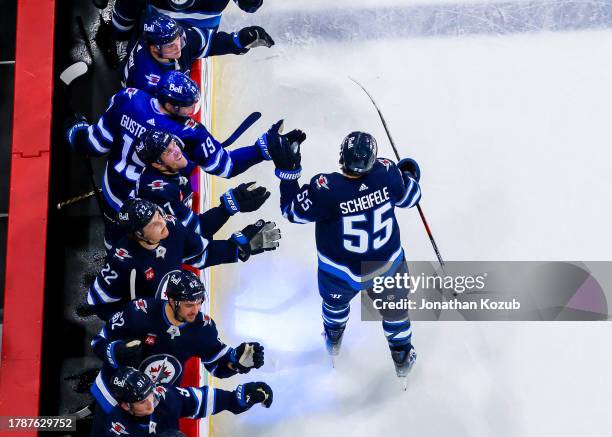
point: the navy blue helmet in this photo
(184, 285)
(130, 385)
(177, 89)
(153, 143)
(358, 153)
(135, 214)
(161, 29)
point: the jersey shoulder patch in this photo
(121, 254)
(386, 162)
(157, 185)
(118, 428)
(141, 305)
(321, 182)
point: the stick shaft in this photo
(75, 199)
(423, 219)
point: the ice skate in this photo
(333, 341)
(403, 359)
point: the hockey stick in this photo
(75, 199)
(246, 124)
(89, 167)
(384, 123)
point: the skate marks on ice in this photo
(434, 20)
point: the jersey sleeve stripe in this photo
(101, 293)
(295, 217)
(216, 163)
(221, 353)
(406, 193)
(416, 197)
(105, 133)
(94, 141)
(102, 395)
(120, 26)
(133, 284)
(197, 395)
(188, 219)
(210, 402)
(228, 167)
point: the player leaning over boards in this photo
(130, 114)
(357, 234)
(158, 336)
(166, 45)
(145, 408)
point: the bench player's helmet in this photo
(184, 285)
(160, 29)
(358, 153)
(153, 143)
(177, 89)
(135, 214)
(130, 385)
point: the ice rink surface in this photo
(510, 123)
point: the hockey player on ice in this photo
(131, 113)
(158, 336)
(357, 234)
(165, 46)
(141, 262)
(144, 408)
(161, 183)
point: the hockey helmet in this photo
(153, 143)
(358, 153)
(184, 285)
(135, 214)
(177, 89)
(130, 385)
(159, 29)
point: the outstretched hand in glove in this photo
(244, 198)
(256, 238)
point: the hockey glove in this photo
(249, 6)
(253, 393)
(244, 198)
(246, 356)
(251, 37)
(283, 150)
(256, 238)
(125, 353)
(74, 125)
(409, 165)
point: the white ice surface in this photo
(513, 136)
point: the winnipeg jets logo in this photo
(160, 391)
(151, 121)
(160, 252)
(130, 92)
(363, 187)
(162, 368)
(322, 182)
(385, 162)
(141, 305)
(122, 253)
(157, 185)
(118, 428)
(152, 78)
